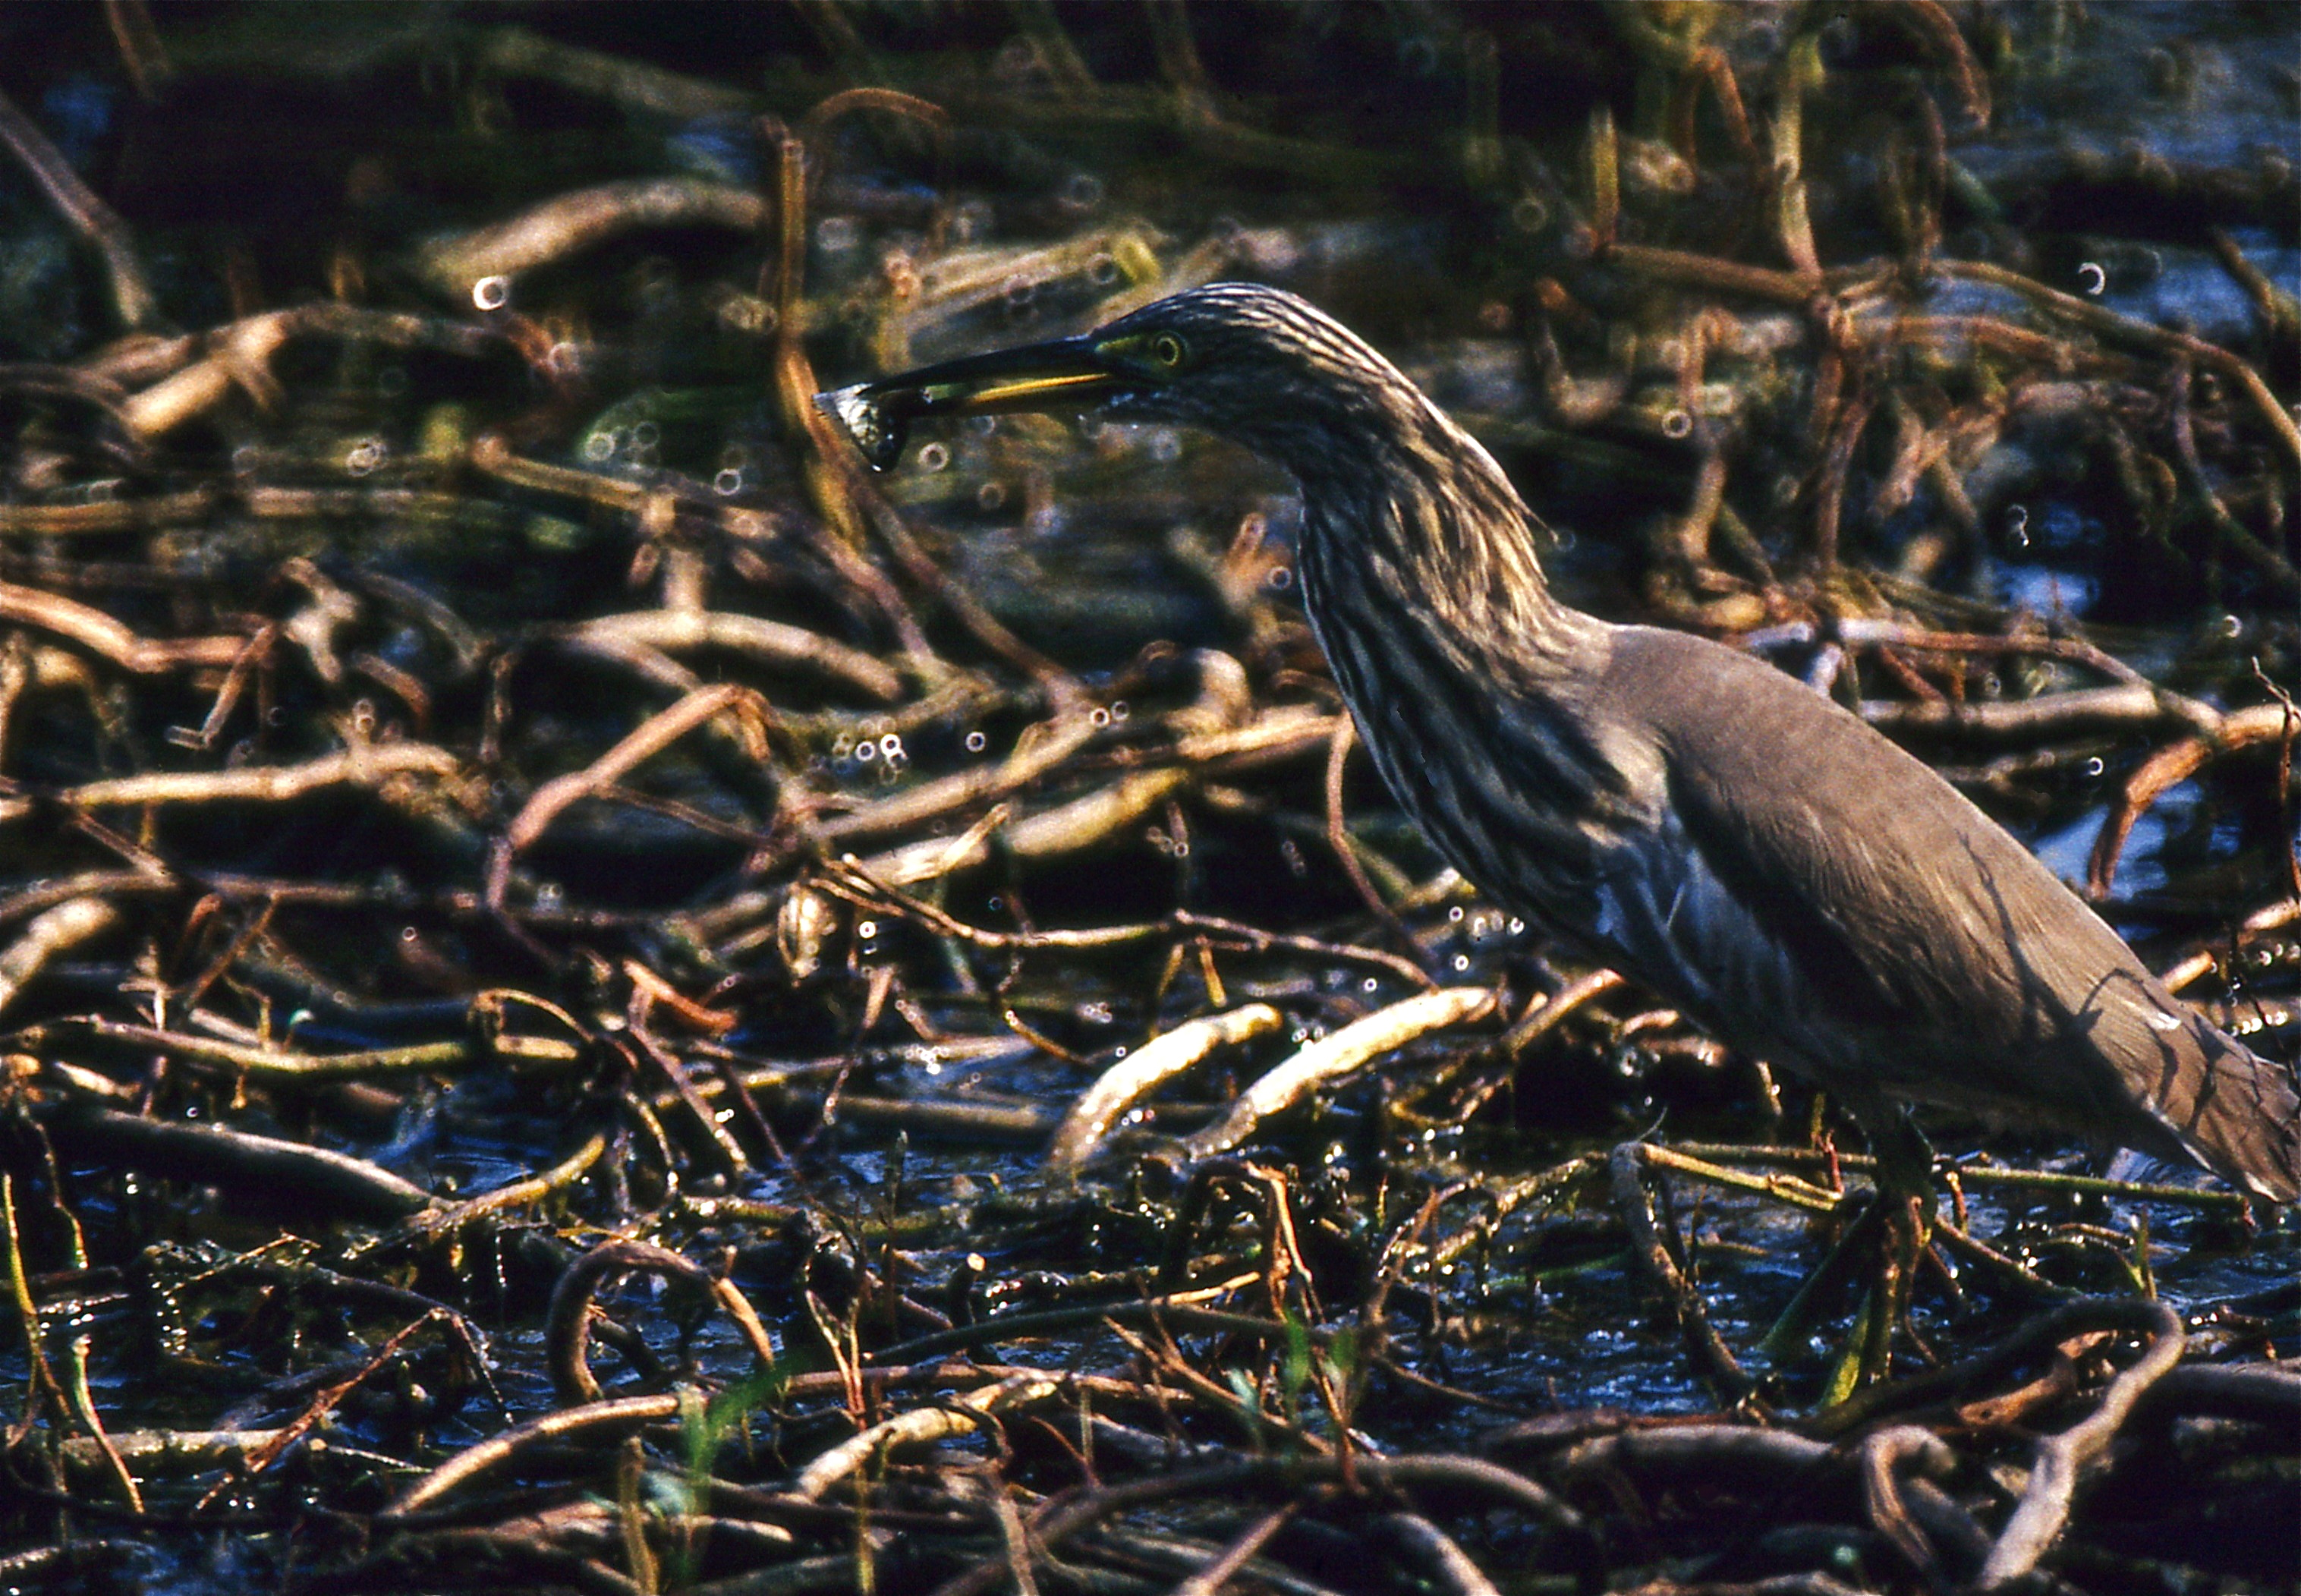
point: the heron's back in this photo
(1851, 912)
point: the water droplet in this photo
(933, 456)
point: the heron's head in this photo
(1255, 364)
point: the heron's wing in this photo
(1918, 936)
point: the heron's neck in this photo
(1411, 523)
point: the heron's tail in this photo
(2238, 1115)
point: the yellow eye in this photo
(1167, 350)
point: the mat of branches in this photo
(597, 999)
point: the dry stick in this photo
(88, 216)
(2201, 960)
(618, 1414)
(99, 633)
(2234, 532)
(1209, 1580)
(1338, 836)
(1066, 829)
(55, 931)
(1798, 70)
(922, 1424)
(2081, 1316)
(568, 1325)
(262, 1457)
(1337, 1056)
(1935, 26)
(2133, 330)
(651, 736)
(272, 1064)
(2168, 768)
(1434, 1554)
(109, 515)
(2045, 1505)
(512, 1194)
(769, 642)
(2055, 715)
(1884, 1453)
(569, 223)
(291, 1173)
(1545, 1011)
(1142, 1072)
(1704, 1346)
(368, 766)
(241, 353)
(1830, 495)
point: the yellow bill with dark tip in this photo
(876, 416)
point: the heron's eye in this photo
(1168, 350)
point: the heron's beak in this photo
(876, 416)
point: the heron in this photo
(1804, 888)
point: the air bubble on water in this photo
(1281, 579)
(1120, 712)
(598, 447)
(1369, 984)
(2094, 767)
(1098, 717)
(728, 482)
(933, 456)
(1461, 961)
(1455, 914)
(990, 496)
(866, 928)
(976, 743)
(891, 746)
(867, 751)
(1678, 424)
(491, 293)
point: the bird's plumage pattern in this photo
(1768, 862)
